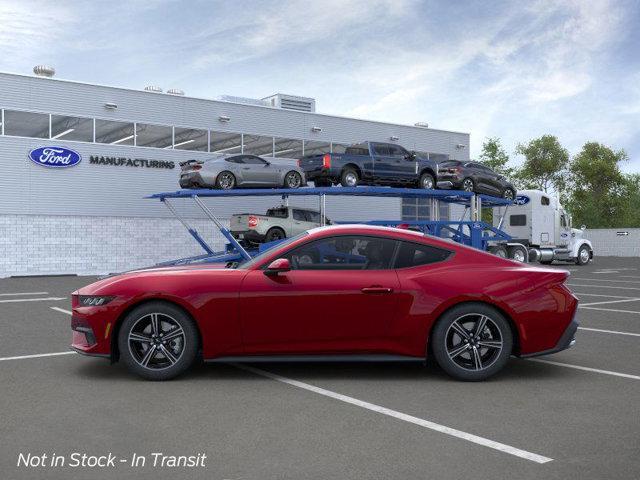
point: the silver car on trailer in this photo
(241, 170)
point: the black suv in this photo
(474, 177)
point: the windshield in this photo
(261, 256)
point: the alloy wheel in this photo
(584, 255)
(351, 179)
(508, 194)
(473, 341)
(467, 185)
(427, 182)
(226, 181)
(156, 341)
(293, 180)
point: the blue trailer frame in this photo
(478, 234)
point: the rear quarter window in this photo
(415, 254)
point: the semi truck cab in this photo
(538, 221)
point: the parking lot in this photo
(575, 414)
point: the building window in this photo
(190, 139)
(258, 145)
(114, 133)
(312, 147)
(287, 148)
(26, 124)
(419, 209)
(224, 142)
(72, 128)
(157, 136)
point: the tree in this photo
(599, 193)
(631, 198)
(495, 157)
(545, 164)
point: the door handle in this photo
(376, 289)
(246, 168)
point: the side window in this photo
(563, 221)
(517, 220)
(299, 215)
(235, 159)
(396, 151)
(380, 149)
(313, 216)
(414, 254)
(544, 200)
(350, 252)
(253, 160)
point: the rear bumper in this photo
(448, 182)
(320, 173)
(567, 340)
(193, 180)
(249, 235)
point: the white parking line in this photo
(609, 301)
(48, 299)
(23, 293)
(609, 331)
(61, 310)
(609, 309)
(599, 295)
(39, 355)
(586, 369)
(604, 286)
(485, 442)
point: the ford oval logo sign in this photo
(56, 157)
(521, 200)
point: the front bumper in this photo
(567, 340)
(91, 330)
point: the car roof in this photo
(360, 228)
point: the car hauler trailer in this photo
(472, 231)
(538, 220)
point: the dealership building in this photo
(92, 217)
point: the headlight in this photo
(93, 301)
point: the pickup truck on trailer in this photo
(371, 163)
(276, 224)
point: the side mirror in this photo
(583, 227)
(279, 265)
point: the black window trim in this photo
(448, 257)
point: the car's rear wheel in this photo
(349, 178)
(472, 341)
(468, 185)
(427, 182)
(158, 341)
(322, 183)
(508, 194)
(273, 234)
(292, 180)
(225, 180)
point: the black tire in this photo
(274, 233)
(346, 178)
(584, 255)
(518, 253)
(322, 183)
(499, 251)
(292, 180)
(170, 357)
(427, 182)
(546, 262)
(508, 194)
(482, 353)
(225, 180)
(468, 185)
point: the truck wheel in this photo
(499, 251)
(349, 178)
(518, 253)
(274, 234)
(546, 262)
(468, 185)
(584, 255)
(427, 182)
(225, 180)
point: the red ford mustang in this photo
(341, 293)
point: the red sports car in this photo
(338, 293)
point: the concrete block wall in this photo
(612, 242)
(51, 245)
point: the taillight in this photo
(299, 162)
(196, 167)
(253, 221)
(326, 161)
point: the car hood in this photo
(109, 285)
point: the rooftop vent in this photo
(422, 124)
(153, 88)
(292, 102)
(175, 91)
(44, 71)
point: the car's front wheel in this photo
(158, 341)
(472, 341)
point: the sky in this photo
(514, 70)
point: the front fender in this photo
(578, 244)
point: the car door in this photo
(299, 221)
(340, 297)
(382, 162)
(479, 177)
(404, 165)
(258, 171)
(493, 180)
